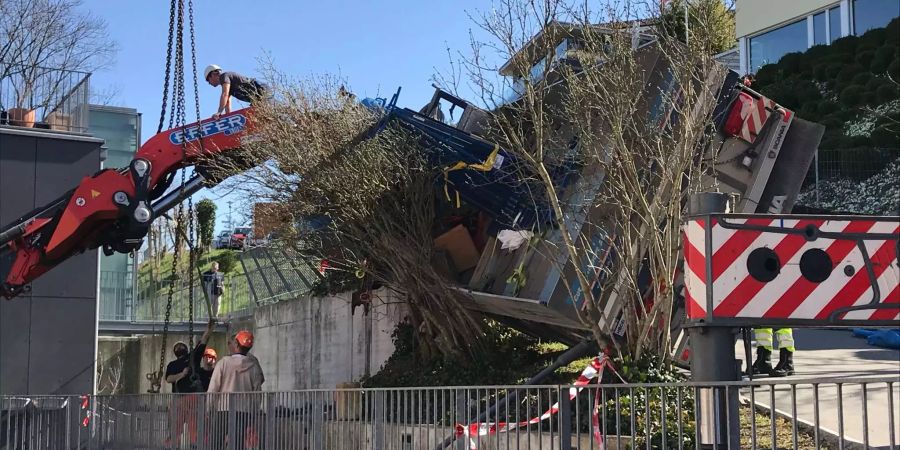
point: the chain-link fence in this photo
(854, 180)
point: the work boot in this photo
(763, 363)
(785, 364)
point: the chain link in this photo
(177, 118)
(191, 234)
(156, 382)
(165, 97)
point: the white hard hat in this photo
(210, 69)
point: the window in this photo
(834, 24)
(820, 37)
(868, 14)
(769, 47)
(561, 49)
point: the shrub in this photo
(883, 58)
(818, 53)
(865, 58)
(827, 107)
(860, 141)
(872, 38)
(637, 402)
(806, 91)
(892, 36)
(809, 111)
(767, 75)
(820, 72)
(227, 261)
(875, 82)
(894, 69)
(845, 45)
(792, 62)
(833, 69)
(869, 98)
(883, 137)
(849, 72)
(852, 95)
(862, 78)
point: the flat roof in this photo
(49, 134)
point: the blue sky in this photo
(376, 45)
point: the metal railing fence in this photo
(42, 97)
(839, 414)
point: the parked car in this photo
(240, 237)
(223, 240)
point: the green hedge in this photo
(839, 84)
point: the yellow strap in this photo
(484, 166)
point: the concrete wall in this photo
(47, 337)
(306, 343)
(755, 15)
(317, 343)
(135, 357)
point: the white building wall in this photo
(756, 15)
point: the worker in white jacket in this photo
(235, 382)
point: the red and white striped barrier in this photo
(792, 269)
(591, 372)
(750, 114)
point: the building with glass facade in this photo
(120, 128)
(770, 29)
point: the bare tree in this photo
(622, 107)
(40, 37)
(364, 205)
(627, 108)
(109, 374)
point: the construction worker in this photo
(235, 85)
(203, 359)
(213, 282)
(183, 411)
(239, 372)
(764, 348)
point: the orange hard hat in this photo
(211, 353)
(244, 338)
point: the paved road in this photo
(825, 355)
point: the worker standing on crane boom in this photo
(235, 85)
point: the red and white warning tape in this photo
(87, 412)
(592, 371)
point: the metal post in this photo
(462, 416)
(713, 359)
(378, 421)
(816, 162)
(318, 421)
(565, 420)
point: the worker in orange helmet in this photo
(239, 372)
(203, 359)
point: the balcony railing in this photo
(44, 98)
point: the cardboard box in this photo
(459, 245)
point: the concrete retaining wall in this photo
(317, 343)
(308, 343)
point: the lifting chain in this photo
(165, 97)
(177, 118)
